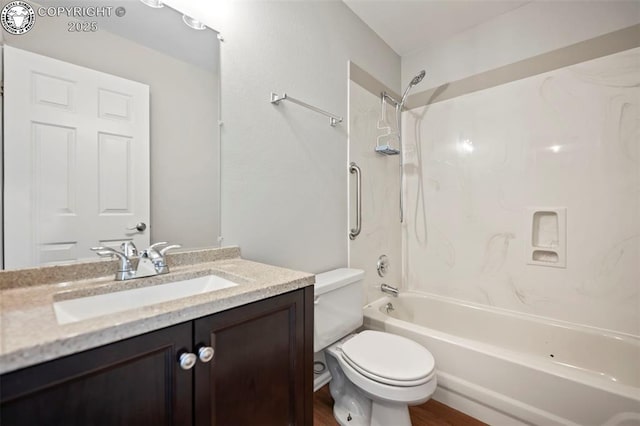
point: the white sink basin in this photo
(73, 310)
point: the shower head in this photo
(414, 81)
(418, 78)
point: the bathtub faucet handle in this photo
(385, 288)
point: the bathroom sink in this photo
(73, 310)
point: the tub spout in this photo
(385, 288)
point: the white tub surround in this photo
(563, 142)
(381, 233)
(505, 367)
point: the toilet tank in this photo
(338, 305)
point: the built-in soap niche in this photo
(547, 230)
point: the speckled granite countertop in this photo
(30, 333)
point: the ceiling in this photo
(409, 25)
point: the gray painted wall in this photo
(284, 169)
(533, 29)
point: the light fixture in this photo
(153, 3)
(196, 25)
(465, 147)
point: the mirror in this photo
(139, 45)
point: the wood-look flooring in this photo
(431, 413)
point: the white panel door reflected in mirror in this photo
(76, 156)
(180, 66)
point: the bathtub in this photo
(506, 368)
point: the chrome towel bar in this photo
(333, 119)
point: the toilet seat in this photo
(380, 391)
(388, 358)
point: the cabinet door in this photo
(261, 373)
(132, 382)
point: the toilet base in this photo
(377, 414)
(350, 407)
(346, 417)
(383, 414)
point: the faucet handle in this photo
(124, 270)
(164, 250)
(153, 248)
(102, 252)
(157, 256)
(129, 249)
(106, 251)
(152, 252)
(155, 245)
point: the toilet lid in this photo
(388, 358)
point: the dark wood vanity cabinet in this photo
(132, 382)
(262, 370)
(261, 374)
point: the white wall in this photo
(284, 169)
(536, 28)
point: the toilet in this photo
(375, 376)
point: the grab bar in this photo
(333, 119)
(353, 168)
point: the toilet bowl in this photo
(375, 376)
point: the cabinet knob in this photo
(205, 353)
(187, 360)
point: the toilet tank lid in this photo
(337, 278)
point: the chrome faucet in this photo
(125, 270)
(385, 288)
(150, 261)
